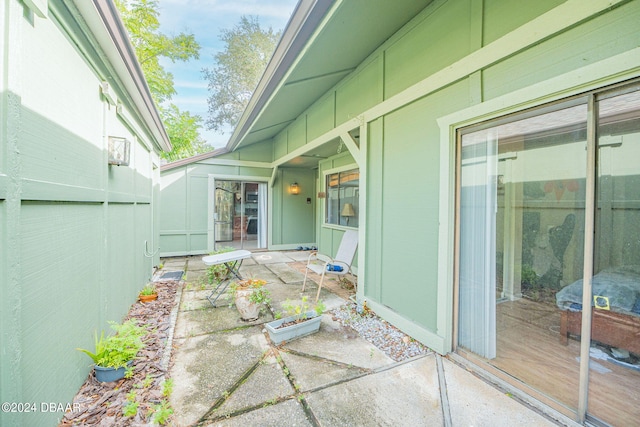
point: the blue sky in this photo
(205, 19)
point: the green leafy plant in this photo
(130, 409)
(300, 310)
(128, 372)
(215, 273)
(167, 387)
(148, 380)
(528, 275)
(117, 350)
(149, 289)
(161, 412)
(258, 295)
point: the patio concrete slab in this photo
(196, 264)
(289, 413)
(195, 277)
(172, 264)
(407, 395)
(281, 292)
(313, 372)
(285, 273)
(258, 271)
(267, 385)
(248, 261)
(197, 300)
(226, 373)
(205, 321)
(301, 256)
(474, 402)
(209, 365)
(270, 257)
(341, 344)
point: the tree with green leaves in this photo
(140, 18)
(185, 139)
(248, 49)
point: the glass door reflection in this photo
(614, 374)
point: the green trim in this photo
(433, 341)
(594, 76)
(117, 197)
(42, 190)
(4, 179)
(557, 20)
(231, 162)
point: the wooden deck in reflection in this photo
(529, 350)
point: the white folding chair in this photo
(343, 259)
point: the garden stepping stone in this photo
(313, 372)
(266, 385)
(285, 273)
(289, 412)
(209, 365)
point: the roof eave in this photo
(193, 159)
(300, 29)
(104, 22)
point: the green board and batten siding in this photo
(403, 170)
(184, 209)
(452, 57)
(72, 228)
(403, 152)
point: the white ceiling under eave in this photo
(350, 31)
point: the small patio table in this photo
(232, 261)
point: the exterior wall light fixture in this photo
(294, 189)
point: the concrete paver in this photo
(341, 344)
(289, 413)
(285, 273)
(406, 395)
(226, 372)
(267, 384)
(473, 402)
(270, 257)
(301, 256)
(206, 366)
(313, 373)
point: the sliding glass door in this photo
(614, 375)
(240, 211)
(527, 252)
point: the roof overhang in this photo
(323, 43)
(101, 18)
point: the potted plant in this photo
(114, 354)
(301, 320)
(148, 293)
(249, 296)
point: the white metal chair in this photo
(343, 259)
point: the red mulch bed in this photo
(101, 404)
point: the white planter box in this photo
(279, 335)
